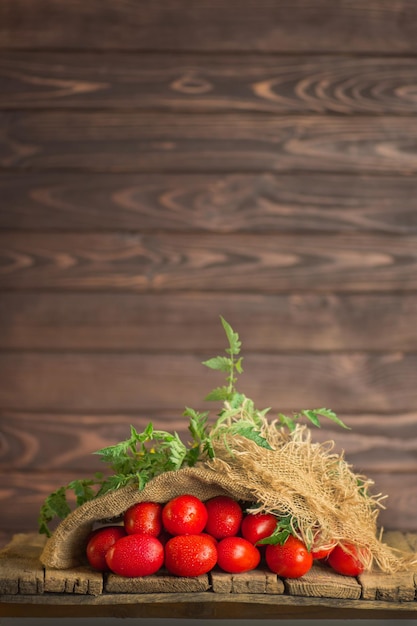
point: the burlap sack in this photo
(296, 477)
(66, 547)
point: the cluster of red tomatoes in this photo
(190, 537)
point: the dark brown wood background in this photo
(165, 163)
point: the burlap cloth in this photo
(296, 477)
(66, 547)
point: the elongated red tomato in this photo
(319, 554)
(236, 555)
(184, 515)
(291, 560)
(346, 560)
(321, 549)
(257, 526)
(190, 555)
(224, 517)
(135, 555)
(100, 542)
(144, 518)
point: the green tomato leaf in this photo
(232, 337)
(218, 394)
(312, 416)
(248, 431)
(331, 415)
(287, 421)
(220, 363)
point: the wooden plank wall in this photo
(165, 163)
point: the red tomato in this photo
(224, 517)
(345, 560)
(100, 541)
(321, 549)
(322, 552)
(135, 555)
(144, 518)
(184, 515)
(236, 555)
(291, 560)
(213, 539)
(257, 526)
(190, 555)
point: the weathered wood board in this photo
(22, 575)
(164, 163)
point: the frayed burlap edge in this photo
(314, 486)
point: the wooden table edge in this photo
(200, 605)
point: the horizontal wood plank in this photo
(153, 322)
(25, 493)
(214, 606)
(67, 442)
(231, 263)
(70, 382)
(322, 25)
(150, 142)
(323, 582)
(20, 568)
(5, 537)
(222, 203)
(401, 502)
(181, 82)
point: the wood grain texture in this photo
(159, 583)
(20, 568)
(269, 263)
(322, 582)
(100, 322)
(302, 25)
(165, 163)
(151, 142)
(222, 203)
(71, 382)
(203, 605)
(255, 581)
(83, 581)
(66, 442)
(402, 498)
(5, 537)
(186, 82)
(400, 588)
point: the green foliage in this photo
(144, 455)
(283, 529)
(228, 364)
(313, 416)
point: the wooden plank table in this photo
(27, 589)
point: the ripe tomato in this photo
(291, 560)
(236, 555)
(321, 549)
(345, 560)
(190, 555)
(224, 517)
(100, 541)
(213, 539)
(144, 518)
(135, 555)
(322, 552)
(257, 526)
(184, 515)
